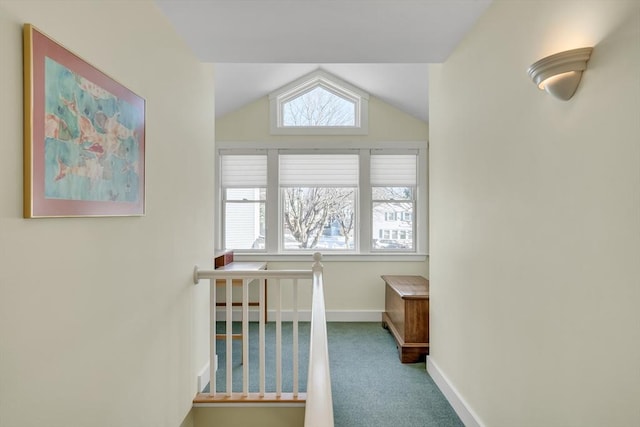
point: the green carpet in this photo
(270, 357)
(371, 388)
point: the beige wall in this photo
(535, 218)
(100, 324)
(386, 123)
(353, 289)
(260, 416)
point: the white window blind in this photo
(393, 169)
(315, 170)
(243, 171)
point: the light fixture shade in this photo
(560, 74)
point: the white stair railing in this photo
(319, 408)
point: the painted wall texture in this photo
(100, 323)
(535, 218)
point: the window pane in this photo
(392, 221)
(318, 218)
(319, 107)
(244, 215)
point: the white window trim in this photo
(332, 84)
(220, 196)
(278, 226)
(414, 201)
(364, 252)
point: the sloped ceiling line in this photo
(382, 46)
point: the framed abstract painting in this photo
(84, 136)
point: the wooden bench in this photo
(406, 315)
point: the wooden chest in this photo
(406, 315)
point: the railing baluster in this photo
(295, 337)
(278, 338)
(245, 337)
(212, 338)
(229, 295)
(261, 344)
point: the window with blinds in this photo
(343, 200)
(318, 193)
(393, 201)
(239, 170)
(335, 170)
(243, 182)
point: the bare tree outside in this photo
(344, 216)
(308, 210)
(319, 107)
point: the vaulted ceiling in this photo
(381, 46)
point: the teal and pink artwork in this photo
(85, 145)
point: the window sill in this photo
(327, 256)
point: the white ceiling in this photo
(381, 46)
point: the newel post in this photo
(317, 265)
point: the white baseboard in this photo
(203, 377)
(462, 408)
(354, 316)
(305, 315)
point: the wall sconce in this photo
(560, 74)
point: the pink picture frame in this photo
(84, 136)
